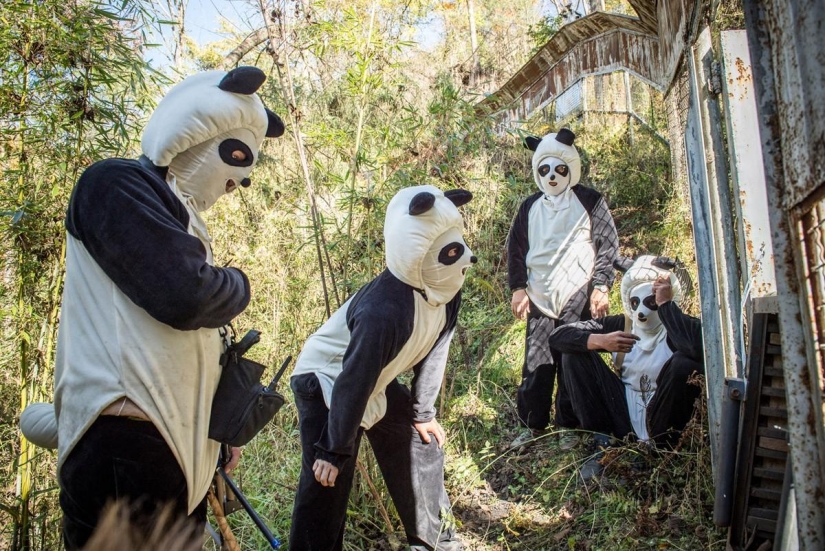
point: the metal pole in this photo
(274, 542)
(762, 25)
(729, 443)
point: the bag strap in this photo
(237, 349)
(277, 378)
(252, 337)
(620, 356)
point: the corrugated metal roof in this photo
(649, 46)
(598, 43)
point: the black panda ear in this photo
(664, 262)
(565, 136)
(421, 203)
(532, 142)
(275, 127)
(458, 196)
(623, 264)
(242, 80)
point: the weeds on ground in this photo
(532, 498)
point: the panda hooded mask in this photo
(197, 126)
(424, 243)
(640, 304)
(556, 164)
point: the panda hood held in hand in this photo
(639, 302)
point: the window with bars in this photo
(812, 231)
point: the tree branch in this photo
(248, 44)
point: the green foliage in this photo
(541, 32)
(375, 115)
(74, 89)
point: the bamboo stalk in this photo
(24, 475)
(285, 77)
(359, 131)
(229, 541)
(376, 496)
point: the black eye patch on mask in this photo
(562, 170)
(649, 301)
(451, 253)
(227, 147)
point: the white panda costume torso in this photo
(403, 318)
(563, 236)
(142, 303)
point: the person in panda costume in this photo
(560, 251)
(656, 348)
(139, 340)
(345, 381)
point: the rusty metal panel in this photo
(595, 44)
(796, 28)
(721, 205)
(789, 77)
(747, 172)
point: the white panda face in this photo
(237, 154)
(446, 263)
(554, 176)
(216, 167)
(644, 310)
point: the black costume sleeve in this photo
(376, 337)
(572, 337)
(429, 373)
(683, 331)
(518, 245)
(135, 228)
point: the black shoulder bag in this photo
(242, 405)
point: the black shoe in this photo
(593, 466)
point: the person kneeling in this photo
(656, 348)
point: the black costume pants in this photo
(543, 367)
(412, 470)
(119, 458)
(598, 396)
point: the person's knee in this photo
(581, 365)
(683, 368)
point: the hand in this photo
(662, 289)
(424, 429)
(599, 305)
(617, 341)
(520, 305)
(325, 472)
(234, 458)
